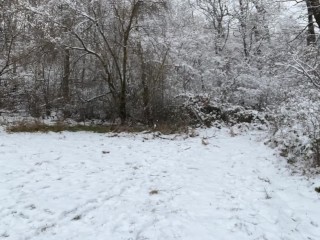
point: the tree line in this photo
(132, 60)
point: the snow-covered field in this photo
(85, 186)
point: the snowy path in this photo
(83, 186)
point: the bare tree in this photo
(217, 12)
(9, 32)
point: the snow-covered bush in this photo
(202, 110)
(296, 129)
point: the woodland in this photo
(244, 63)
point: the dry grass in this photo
(34, 126)
(39, 126)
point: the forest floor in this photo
(85, 186)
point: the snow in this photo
(84, 186)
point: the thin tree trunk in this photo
(243, 28)
(145, 86)
(123, 90)
(66, 77)
(315, 6)
(311, 38)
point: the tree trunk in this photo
(315, 6)
(243, 26)
(146, 95)
(66, 77)
(145, 87)
(311, 38)
(123, 90)
(123, 106)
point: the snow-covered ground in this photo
(85, 186)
